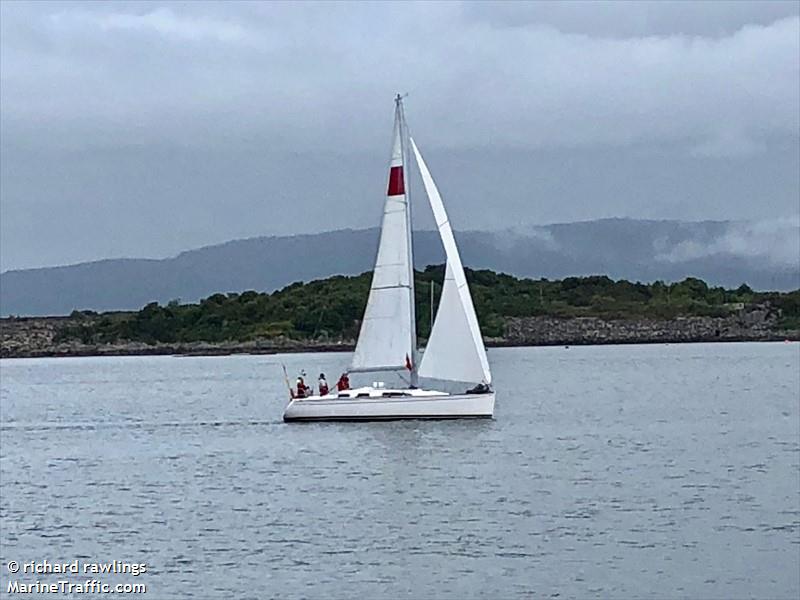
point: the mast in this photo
(404, 149)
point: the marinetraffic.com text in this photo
(72, 577)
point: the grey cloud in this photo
(161, 126)
(159, 73)
(774, 242)
(634, 18)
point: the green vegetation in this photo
(331, 308)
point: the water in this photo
(660, 471)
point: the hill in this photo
(722, 253)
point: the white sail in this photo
(455, 348)
(387, 339)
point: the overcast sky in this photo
(142, 129)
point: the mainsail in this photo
(387, 340)
(455, 348)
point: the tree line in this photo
(332, 308)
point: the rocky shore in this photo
(31, 337)
(38, 336)
(755, 323)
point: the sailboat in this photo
(387, 339)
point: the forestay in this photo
(455, 348)
(387, 339)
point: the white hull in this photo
(366, 408)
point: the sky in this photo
(144, 129)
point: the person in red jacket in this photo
(303, 390)
(343, 383)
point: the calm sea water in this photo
(660, 471)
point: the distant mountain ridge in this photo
(764, 255)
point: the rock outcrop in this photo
(30, 337)
(751, 323)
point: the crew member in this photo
(343, 383)
(323, 385)
(302, 389)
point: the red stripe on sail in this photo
(396, 185)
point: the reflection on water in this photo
(627, 471)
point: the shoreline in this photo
(244, 349)
(42, 337)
